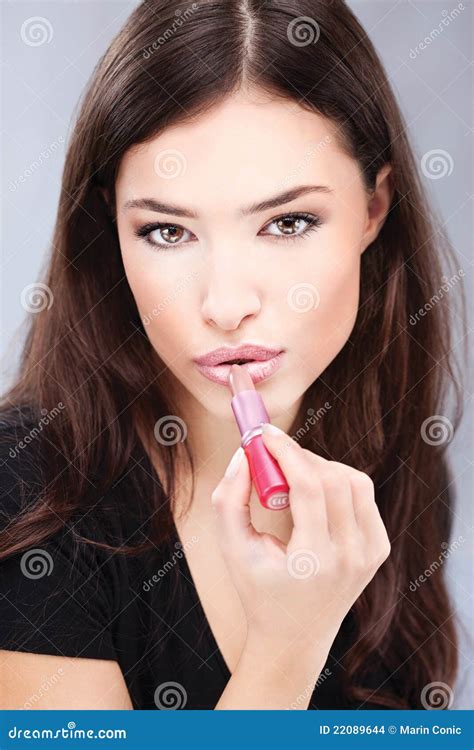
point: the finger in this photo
(342, 470)
(363, 497)
(339, 506)
(231, 504)
(366, 511)
(306, 494)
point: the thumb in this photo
(230, 501)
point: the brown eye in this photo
(163, 235)
(292, 226)
(289, 225)
(170, 233)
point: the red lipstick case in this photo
(270, 483)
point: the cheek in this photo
(328, 310)
(340, 298)
(161, 300)
(145, 288)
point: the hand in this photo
(300, 593)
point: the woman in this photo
(182, 228)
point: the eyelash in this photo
(314, 222)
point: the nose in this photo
(231, 294)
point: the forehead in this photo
(245, 148)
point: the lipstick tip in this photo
(240, 380)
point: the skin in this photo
(240, 274)
(242, 269)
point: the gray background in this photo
(41, 86)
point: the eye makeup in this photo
(313, 222)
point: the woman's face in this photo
(225, 263)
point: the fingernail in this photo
(234, 463)
(271, 429)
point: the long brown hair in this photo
(89, 351)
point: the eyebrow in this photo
(254, 208)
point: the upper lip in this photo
(244, 351)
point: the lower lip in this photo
(257, 370)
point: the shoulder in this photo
(61, 583)
(28, 472)
(58, 597)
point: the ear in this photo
(378, 206)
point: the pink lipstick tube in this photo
(249, 411)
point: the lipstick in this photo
(249, 412)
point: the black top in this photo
(67, 597)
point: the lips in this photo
(237, 355)
(257, 369)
